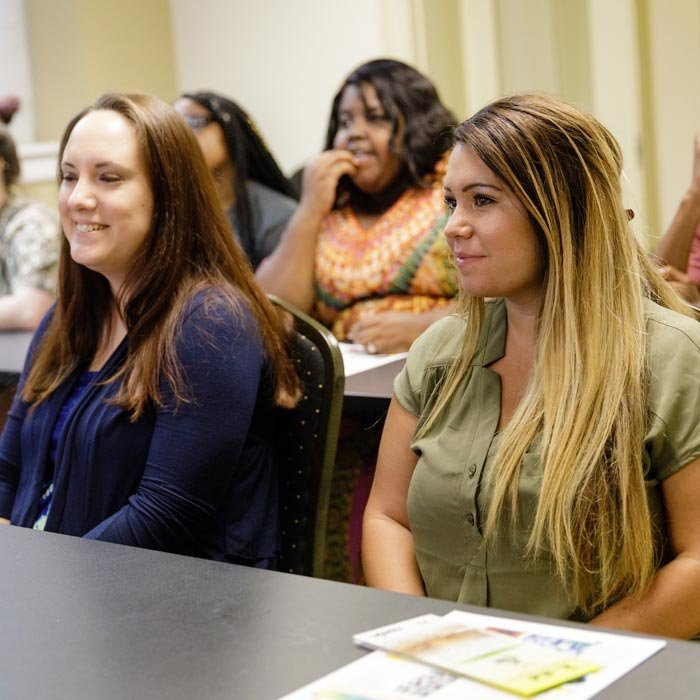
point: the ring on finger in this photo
(371, 347)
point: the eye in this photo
(68, 177)
(110, 177)
(450, 203)
(377, 117)
(344, 123)
(481, 200)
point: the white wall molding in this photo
(38, 161)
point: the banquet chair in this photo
(307, 439)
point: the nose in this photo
(458, 226)
(82, 196)
(358, 127)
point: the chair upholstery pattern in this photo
(307, 439)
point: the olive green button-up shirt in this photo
(448, 496)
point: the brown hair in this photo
(8, 153)
(189, 248)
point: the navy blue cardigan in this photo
(197, 480)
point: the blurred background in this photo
(634, 63)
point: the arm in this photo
(671, 605)
(23, 309)
(681, 282)
(289, 271)
(195, 450)
(674, 247)
(388, 554)
(394, 331)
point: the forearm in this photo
(670, 607)
(289, 271)
(674, 247)
(388, 556)
(24, 309)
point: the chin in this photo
(369, 185)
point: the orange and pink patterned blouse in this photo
(401, 263)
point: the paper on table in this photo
(356, 359)
(381, 676)
(481, 653)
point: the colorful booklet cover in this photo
(487, 655)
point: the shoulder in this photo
(440, 343)
(429, 358)
(220, 317)
(269, 201)
(673, 356)
(671, 335)
(23, 212)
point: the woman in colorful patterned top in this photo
(364, 251)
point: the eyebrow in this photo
(101, 164)
(471, 186)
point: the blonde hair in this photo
(588, 393)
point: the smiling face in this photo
(105, 198)
(365, 129)
(495, 246)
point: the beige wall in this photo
(82, 48)
(634, 63)
(673, 33)
(284, 61)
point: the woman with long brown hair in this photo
(145, 411)
(542, 450)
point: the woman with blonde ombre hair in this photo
(542, 449)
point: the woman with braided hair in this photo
(256, 196)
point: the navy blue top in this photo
(197, 480)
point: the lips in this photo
(466, 259)
(361, 156)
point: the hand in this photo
(680, 282)
(321, 176)
(4, 521)
(390, 331)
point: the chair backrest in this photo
(308, 436)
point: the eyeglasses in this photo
(197, 122)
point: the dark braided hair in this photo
(404, 94)
(250, 157)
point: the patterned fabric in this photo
(29, 246)
(401, 263)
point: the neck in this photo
(378, 202)
(4, 194)
(522, 321)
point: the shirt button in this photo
(472, 470)
(470, 519)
